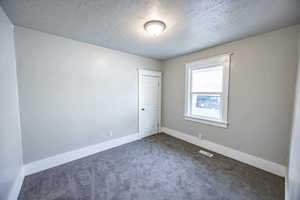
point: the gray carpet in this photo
(159, 167)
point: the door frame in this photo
(144, 72)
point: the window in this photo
(207, 90)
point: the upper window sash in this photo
(207, 79)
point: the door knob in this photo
(143, 109)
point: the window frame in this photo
(223, 60)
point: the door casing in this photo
(141, 73)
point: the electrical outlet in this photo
(200, 136)
(110, 133)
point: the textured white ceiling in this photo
(118, 24)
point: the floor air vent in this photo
(206, 153)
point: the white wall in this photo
(10, 132)
(294, 165)
(72, 93)
(261, 94)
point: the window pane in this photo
(206, 106)
(207, 79)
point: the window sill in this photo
(217, 123)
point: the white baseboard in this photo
(286, 186)
(54, 161)
(260, 163)
(16, 188)
(63, 158)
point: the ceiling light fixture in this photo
(155, 27)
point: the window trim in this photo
(223, 60)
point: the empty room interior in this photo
(150, 100)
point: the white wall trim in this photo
(260, 163)
(222, 124)
(149, 72)
(16, 188)
(63, 158)
(286, 188)
(54, 161)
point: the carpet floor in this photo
(158, 167)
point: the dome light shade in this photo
(155, 27)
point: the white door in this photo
(149, 102)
